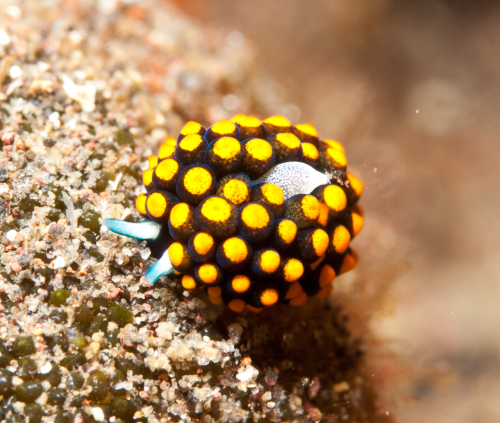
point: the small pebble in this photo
(49, 142)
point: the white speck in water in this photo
(417, 111)
(375, 170)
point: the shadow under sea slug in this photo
(255, 212)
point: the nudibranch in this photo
(255, 212)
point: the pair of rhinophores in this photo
(255, 212)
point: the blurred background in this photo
(412, 91)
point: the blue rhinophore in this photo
(146, 229)
(162, 267)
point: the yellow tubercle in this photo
(278, 120)
(170, 141)
(255, 216)
(337, 156)
(147, 177)
(176, 253)
(269, 261)
(320, 241)
(310, 151)
(152, 162)
(288, 140)
(355, 183)
(293, 270)
(269, 297)
(197, 180)
(191, 142)
(259, 149)
(323, 214)
(227, 147)
(335, 198)
(310, 206)
(333, 144)
(238, 118)
(203, 242)
(156, 204)
(188, 282)
(179, 215)
(140, 203)
(273, 194)
(357, 223)
(240, 284)
(224, 127)
(287, 230)
(307, 128)
(166, 151)
(235, 249)
(235, 191)
(167, 169)
(216, 209)
(208, 273)
(250, 122)
(340, 239)
(191, 128)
